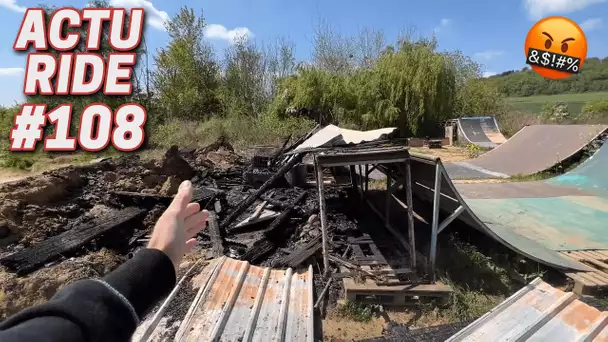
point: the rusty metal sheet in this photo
(241, 302)
(538, 312)
(531, 150)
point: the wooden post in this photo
(366, 177)
(389, 193)
(360, 181)
(353, 176)
(410, 212)
(435, 223)
(322, 214)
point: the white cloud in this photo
(10, 72)
(216, 31)
(540, 8)
(489, 54)
(12, 5)
(445, 23)
(154, 17)
(591, 24)
(489, 73)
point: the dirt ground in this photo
(446, 153)
(336, 328)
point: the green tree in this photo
(186, 80)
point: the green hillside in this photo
(593, 78)
(575, 102)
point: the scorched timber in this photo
(31, 258)
(301, 254)
(215, 235)
(244, 204)
(264, 246)
(202, 196)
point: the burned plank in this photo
(326, 288)
(200, 195)
(244, 204)
(30, 259)
(299, 255)
(215, 235)
(272, 234)
(349, 265)
(259, 249)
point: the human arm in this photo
(109, 309)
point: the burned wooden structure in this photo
(390, 282)
(352, 158)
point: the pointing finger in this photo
(183, 197)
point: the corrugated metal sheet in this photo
(333, 135)
(538, 312)
(241, 302)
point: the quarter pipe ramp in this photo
(532, 150)
(534, 219)
(481, 131)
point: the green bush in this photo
(594, 112)
(241, 131)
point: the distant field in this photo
(534, 104)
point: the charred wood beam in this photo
(265, 245)
(202, 196)
(279, 152)
(299, 255)
(302, 139)
(244, 204)
(285, 214)
(215, 235)
(30, 259)
(259, 249)
(326, 288)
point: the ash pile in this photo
(83, 221)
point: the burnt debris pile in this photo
(256, 212)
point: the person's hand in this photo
(175, 230)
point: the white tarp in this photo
(333, 135)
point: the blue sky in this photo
(490, 31)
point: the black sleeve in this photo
(107, 309)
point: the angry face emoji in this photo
(557, 35)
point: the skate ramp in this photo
(490, 128)
(591, 175)
(534, 219)
(532, 150)
(473, 131)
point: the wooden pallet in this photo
(589, 282)
(397, 284)
(371, 293)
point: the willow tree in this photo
(411, 87)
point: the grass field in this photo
(534, 104)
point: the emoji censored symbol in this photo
(556, 48)
(554, 61)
